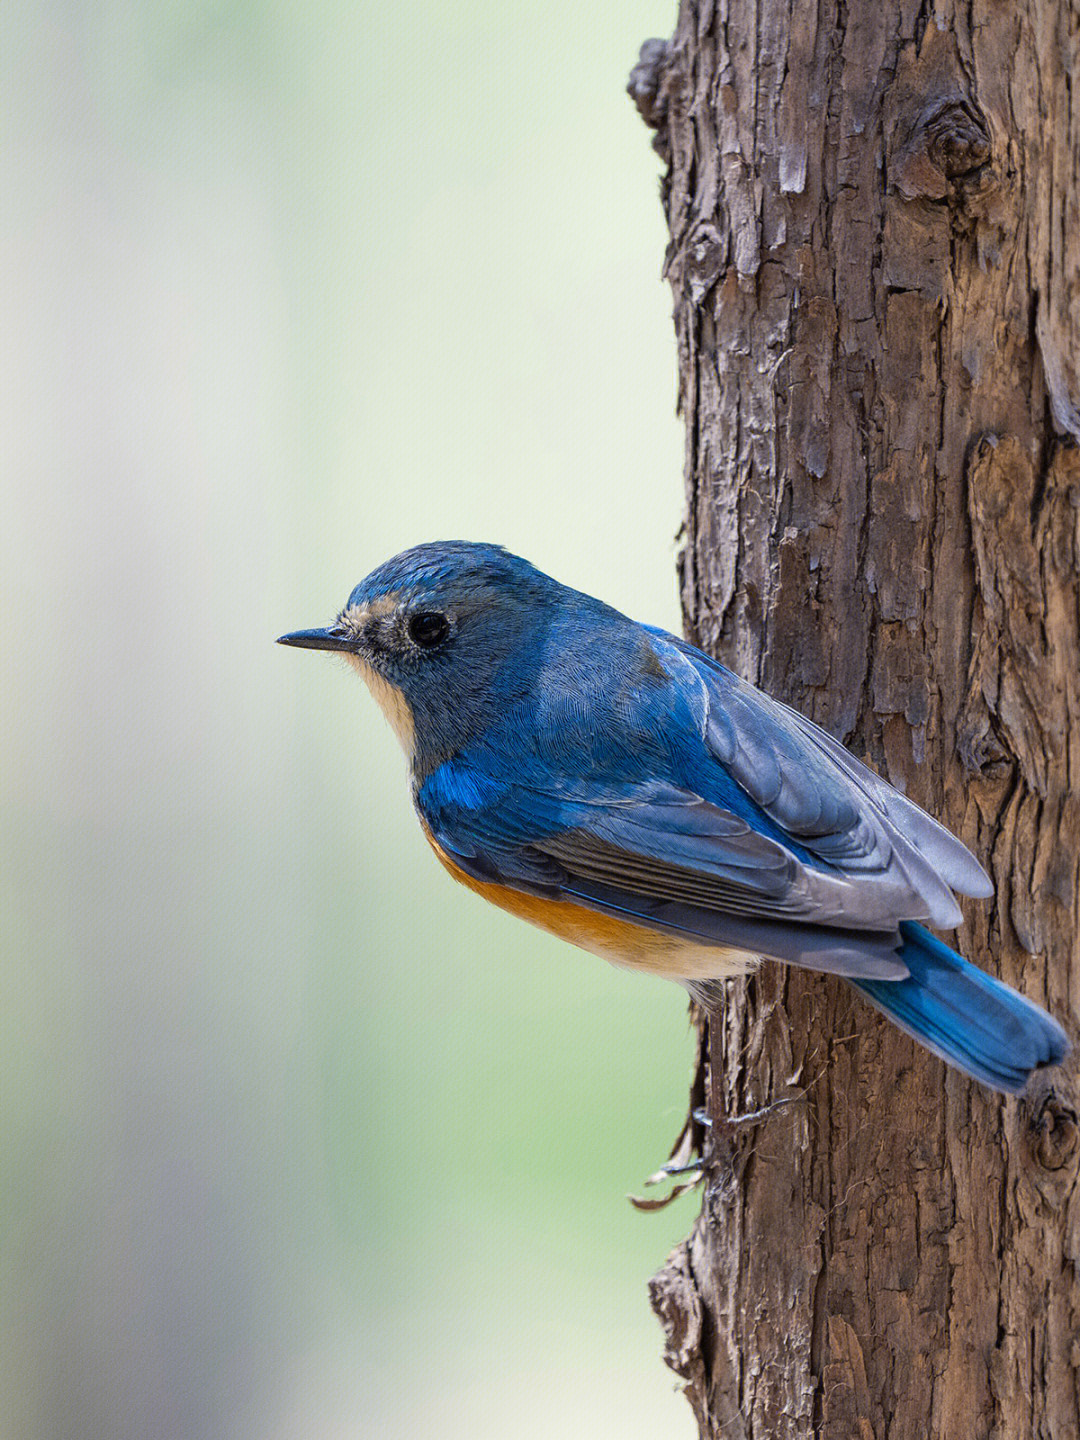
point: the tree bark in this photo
(875, 260)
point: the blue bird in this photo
(618, 787)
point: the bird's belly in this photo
(620, 941)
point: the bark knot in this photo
(646, 88)
(948, 140)
(700, 262)
(677, 1305)
(980, 744)
(956, 139)
(1055, 1132)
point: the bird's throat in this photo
(391, 701)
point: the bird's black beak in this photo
(329, 639)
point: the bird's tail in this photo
(971, 1020)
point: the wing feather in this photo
(763, 834)
(827, 799)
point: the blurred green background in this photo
(300, 1139)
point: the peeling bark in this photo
(875, 262)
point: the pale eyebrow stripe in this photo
(355, 617)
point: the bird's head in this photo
(448, 636)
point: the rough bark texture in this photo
(875, 259)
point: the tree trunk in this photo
(875, 259)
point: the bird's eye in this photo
(428, 628)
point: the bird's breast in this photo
(621, 941)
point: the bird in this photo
(617, 786)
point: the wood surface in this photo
(875, 264)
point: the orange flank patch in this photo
(608, 936)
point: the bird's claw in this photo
(752, 1117)
(684, 1162)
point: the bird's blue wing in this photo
(822, 797)
(704, 809)
(814, 788)
(739, 895)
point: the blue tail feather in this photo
(971, 1020)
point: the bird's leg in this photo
(671, 1168)
(752, 1117)
(726, 1123)
(688, 1156)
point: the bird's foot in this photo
(732, 1122)
(688, 1159)
(726, 1122)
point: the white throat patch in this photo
(391, 701)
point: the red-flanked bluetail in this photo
(615, 785)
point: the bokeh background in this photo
(299, 1139)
